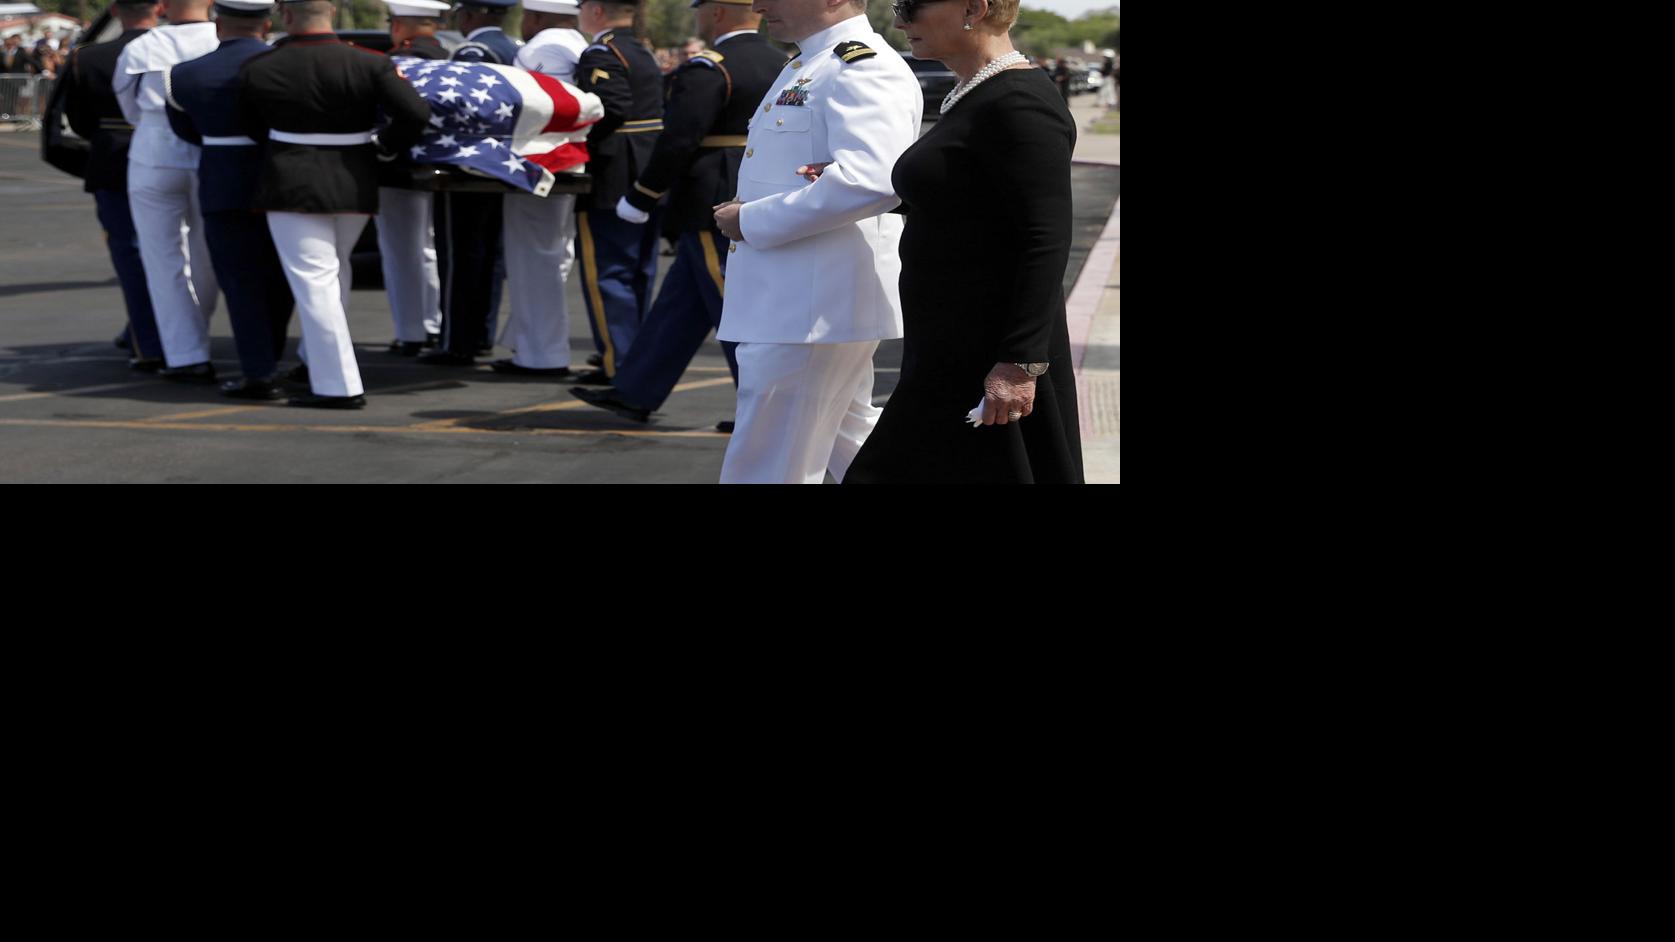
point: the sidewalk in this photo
(1091, 147)
(1094, 312)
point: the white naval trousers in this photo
(178, 273)
(539, 236)
(314, 249)
(804, 408)
(407, 247)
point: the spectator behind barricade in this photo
(16, 60)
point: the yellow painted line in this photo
(205, 414)
(353, 429)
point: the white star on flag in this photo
(436, 120)
(504, 111)
(467, 152)
(449, 95)
(481, 95)
(493, 143)
(458, 69)
(488, 80)
(449, 81)
(447, 141)
(421, 83)
(513, 164)
(418, 151)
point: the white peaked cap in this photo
(565, 7)
(426, 8)
(248, 6)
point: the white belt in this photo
(228, 141)
(322, 140)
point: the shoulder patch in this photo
(597, 47)
(710, 55)
(853, 51)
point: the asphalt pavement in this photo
(72, 411)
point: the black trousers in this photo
(258, 296)
(467, 250)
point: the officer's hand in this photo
(727, 219)
(811, 172)
(626, 212)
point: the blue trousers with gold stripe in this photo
(687, 308)
(619, 269)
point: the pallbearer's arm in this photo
(699, 94)
(403, 105)
(179, 120)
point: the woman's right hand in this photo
(811, 172)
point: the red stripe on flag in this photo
(561, 158)
(565, 106)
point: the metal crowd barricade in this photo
(23, 98)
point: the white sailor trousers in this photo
(804, 409)
(407, 247)
(178, 273)
(539, 235)
(314, 249)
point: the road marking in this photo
(80, 391)
(443, 424)
(351, 429)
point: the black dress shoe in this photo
(262, 390)
(446, 358)
(311, 401)
(298, 374)
(142, 365)
(487, 351)
(124, 342)
(595, 359)
(432, 341)
(508, 367)
(725, 428)
(611, 401)
(407, 348)
(594, 378)
(199, 374)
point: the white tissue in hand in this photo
(975, 416)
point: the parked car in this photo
(935, 82)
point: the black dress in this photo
(984, 249)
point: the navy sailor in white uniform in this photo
(812, 268)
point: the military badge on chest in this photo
(794, 95)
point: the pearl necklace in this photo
(988, 72)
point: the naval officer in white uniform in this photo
(813, 266)
(163, 189)
(539, 232)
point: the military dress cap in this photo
(429, 9)
(246, 6)
(561, 7)
(490, 4)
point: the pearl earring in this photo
(968, 24)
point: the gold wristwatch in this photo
(1033, 369)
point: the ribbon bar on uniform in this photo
(321, 140)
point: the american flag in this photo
(515, 126)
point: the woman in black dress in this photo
(984, 249)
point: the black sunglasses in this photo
(906, 9)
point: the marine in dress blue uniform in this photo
(695, 165)
(94, 114)
(618, 259)
(203, 109)
(468, 225)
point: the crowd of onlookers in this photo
(44, 58)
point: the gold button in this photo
(797, 65)
(765, 108)
(751, 152)
(733, 247)
(780, 121)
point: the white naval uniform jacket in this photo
(818, 263)
(141, 92)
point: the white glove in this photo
(626, 212)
